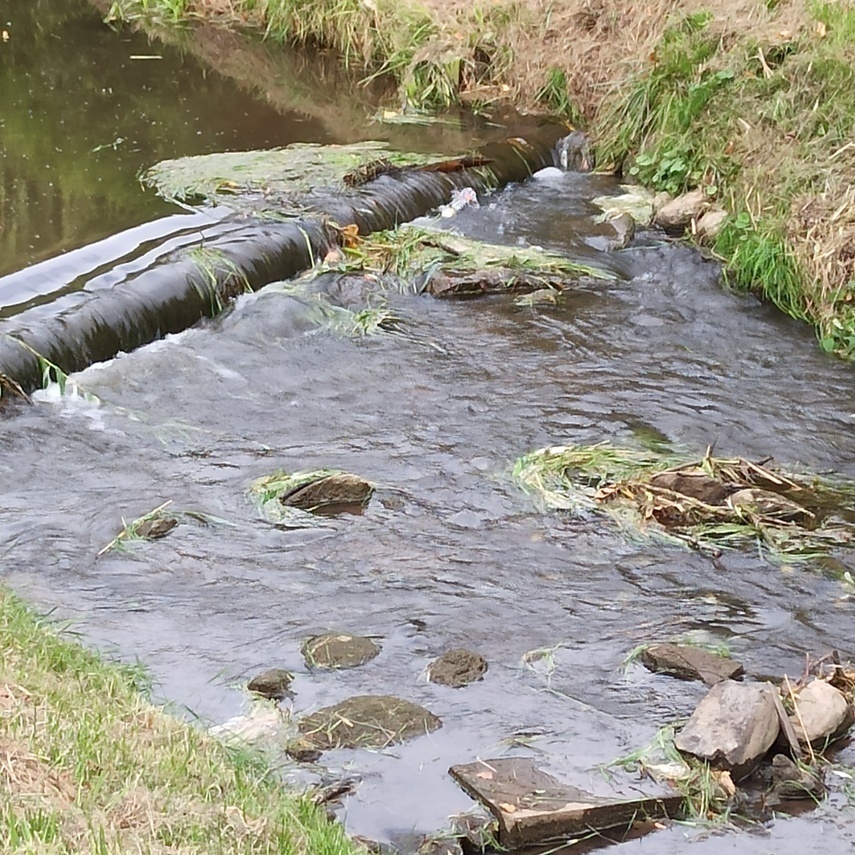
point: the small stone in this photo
(155, 528)
(823, 714)
(367, 721)
(624, 226)
(791, 781)
(335, 651)
(440, 845)
(689, 663)
(709, 225)
(302, 751)
(457, 668)
(733, 726)
(678, 214)
(273, 683)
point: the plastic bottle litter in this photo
(460, 199)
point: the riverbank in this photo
(88, 764)
(753, 101)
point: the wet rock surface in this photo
(367, 721)
(273, 683)
(793, 781)
(732, 727)
(457, 668)
(689, 663)
(532, 807)
(822, 714)
(335, 651)
(334, 491)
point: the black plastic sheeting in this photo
(87, 327)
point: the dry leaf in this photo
(507, 807)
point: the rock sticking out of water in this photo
(156, 527)
(677, 215)
(532, 807)
(732, 727)
(822, 715)
(635, 201)
(340, 489)
(457, 668)
(302, 751)
(367, 721)
(273, 683)
(335, 651)
(689, 663)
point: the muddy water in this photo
(459, 557)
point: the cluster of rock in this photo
(775, 733)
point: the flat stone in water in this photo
(367, 721)
(273, 683)
(335, 651)
(689, 663)
(533, 807)
(457, 668)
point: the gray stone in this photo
(457, 668)
(635, 201)
(335, 650)
(732, 727)
(690, 663)
(273, 683)
(823, 713)
(709, 225)
(532, 807)
(678, 214)
(367, 721)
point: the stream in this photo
(463, 558)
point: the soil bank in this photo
(750, 99)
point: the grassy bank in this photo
(752, 99)
(88, 765)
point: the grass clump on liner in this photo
(708, 504)
(87, 764)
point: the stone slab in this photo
(533, 807)
(690, 663)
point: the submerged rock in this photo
(336, 651)
(273, 683)
(689, 663)
(457, 668)
(532, 807)
(732, 727)
(635, 201)
(677, 215)
(823, 714)
(367, 721)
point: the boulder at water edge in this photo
(822, 713)
(678, 214)
(732, 727)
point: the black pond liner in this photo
(87, 327)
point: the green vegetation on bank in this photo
(754, 103)
(88, 765)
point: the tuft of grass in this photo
(789, 518)
(91, 766)
(706, 792)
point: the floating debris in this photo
(708, 504)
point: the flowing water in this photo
(460, 557)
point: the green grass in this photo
(91, 766)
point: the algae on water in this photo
(238, 178)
